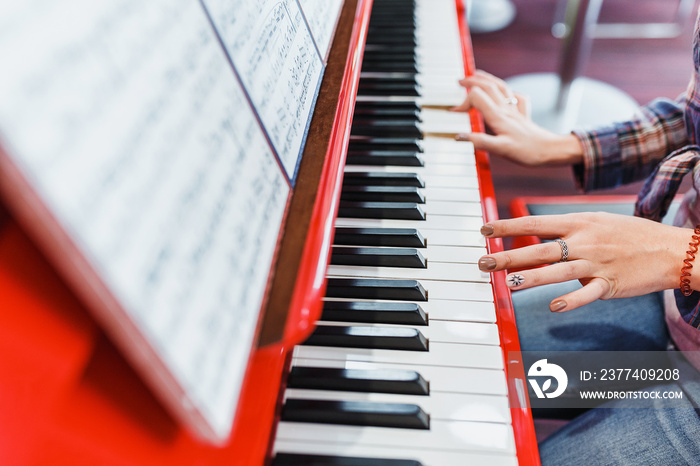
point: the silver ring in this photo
(564, 250)
(511, 101)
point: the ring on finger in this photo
(511, 101)
(564, 250)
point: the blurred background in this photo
(644, 68)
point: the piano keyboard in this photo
(405, 367)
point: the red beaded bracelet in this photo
(690, 257)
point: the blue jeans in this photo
(613, 433)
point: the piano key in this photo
(435, 271)
(372, 337)
(400, 129)
(407, 290)
(382, 179)
(442, 436)
(459, 176)
(388, 105)
(356, 413)
(449, 310)
(293, 459)
(381, 210)
(431, 222)
(387, 455)
(366, 143)
(440, 354)
(382, 194)
(398, 237)
(407, 382)
(399, 114)
(378, 257)
(441, 379)
(374, 312)
(389, 88)
(441, 406)
(407, 67)
(436, 331)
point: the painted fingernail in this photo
(487, 230)
(462, 137)
(557, 306)
(487, 263)
(515, 280)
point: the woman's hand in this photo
(516, 137)
(613, 256)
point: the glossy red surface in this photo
(68, 396)
(525, 440)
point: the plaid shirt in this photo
(659, 144)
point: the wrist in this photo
(563, 149)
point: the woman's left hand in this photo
(613, 256)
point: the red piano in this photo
(243, 233)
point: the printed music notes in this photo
(322, 16)
(275, 56)
(128, 122)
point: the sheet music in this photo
(322, 16)
(275, 56)
(129, 122)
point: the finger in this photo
(483, 102)
(551, 226)
(555, 273)
(483, 141)
(528, 256)
(593, 290)
(485, 76)
(499, 94)
(463, 107)
(524, 104)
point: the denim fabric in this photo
(612, 434)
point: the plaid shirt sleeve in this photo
(626, 152)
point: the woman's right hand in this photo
(515, 136)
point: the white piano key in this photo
(450, 254)
(441, 379)
(425, 457)
(434, 271)
(452, 194)
(465, 174)
(443, 332)
(439, 354)
(432, 222)
(467, 209)
(443, 435)
(441, 121)
(455, 238)
(440, 406)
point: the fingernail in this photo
(487, 263)
(487, 230)
(557, 306)
(515, 280)
(462, 137)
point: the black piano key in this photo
(374, 312)
(356, 413)
(385, 158)
(387, 104)
(365, 143)
(382, 194)
(369, 288)
(393, 89)
(401, 129)
(379, 257)
(381, 210)
(298, 459)
(382, 179)
(402, 382)
(389, 338)
(363, 114)
(379, 67)
(397, 237)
